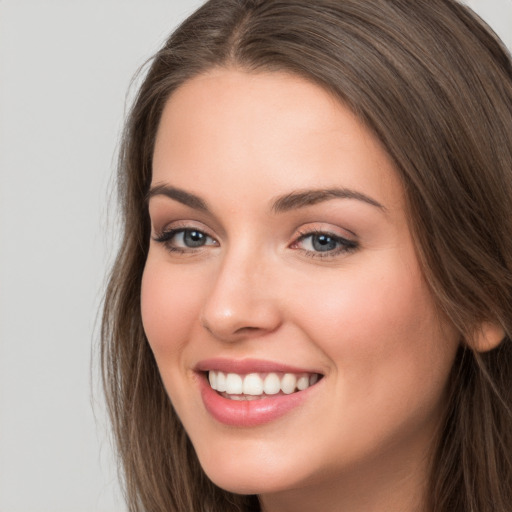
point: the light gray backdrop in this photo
(65, 66)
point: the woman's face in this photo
(281, 266)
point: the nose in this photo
(242, 302)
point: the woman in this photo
(310, 309)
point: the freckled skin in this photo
(256, 289)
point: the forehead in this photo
(262, 131)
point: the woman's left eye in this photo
(320, 244)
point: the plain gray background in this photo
(65, 68)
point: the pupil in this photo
(323, 243)
(194, 239)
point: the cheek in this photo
(390, 355)
(380, 325)
(169, 306)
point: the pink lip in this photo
(248, 413)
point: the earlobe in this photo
(488, 336)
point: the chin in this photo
(250, 484)
(241, 477)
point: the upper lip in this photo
(244, 366)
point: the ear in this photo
(487, 337)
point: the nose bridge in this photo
(240, 301)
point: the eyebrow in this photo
(179, 195)
(287, 202)
(301, 199)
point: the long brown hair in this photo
(435, 86)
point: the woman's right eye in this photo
(185, 239)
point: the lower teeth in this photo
(244, 397)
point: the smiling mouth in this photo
(254, 386)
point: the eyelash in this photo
(166, 238)
(344, 245)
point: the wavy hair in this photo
(434, 84)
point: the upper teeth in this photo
(260, 383)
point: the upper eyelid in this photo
(319, 231)
(346, 235)
(166, 220)
(182, 226)
(179, 229)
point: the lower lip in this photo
(249, 413)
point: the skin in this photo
(363, 317)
